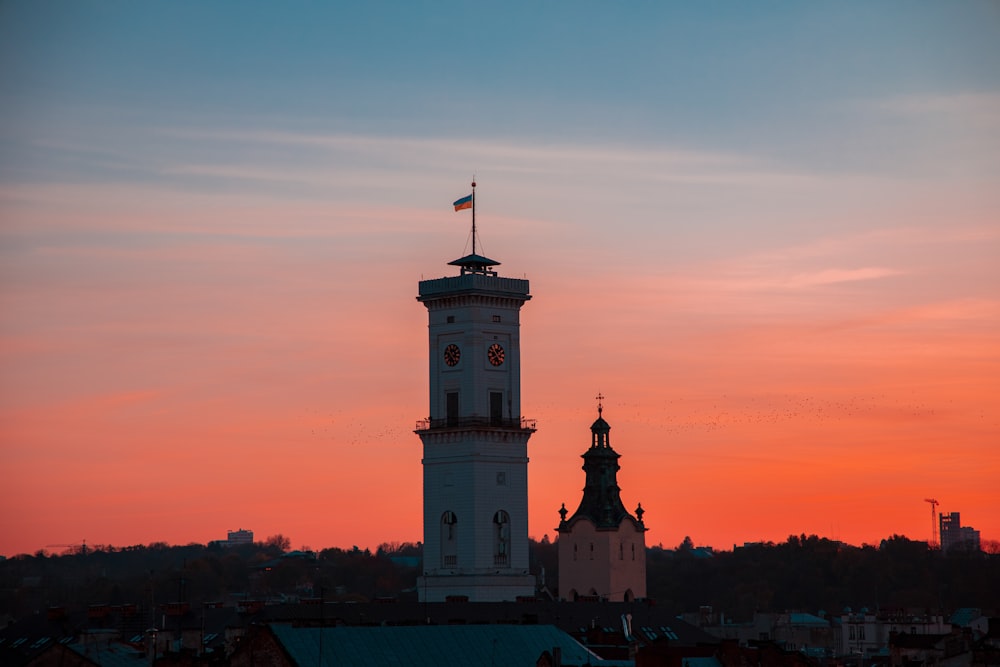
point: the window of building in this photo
(591, 551)
(496, 407)
(621, 551)
(633, 552)
(574, 552)
(496, 318)
(501, 538)
(449, 539)
(451, 319)
(501, 478)
(451, 408)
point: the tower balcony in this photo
(463, 423)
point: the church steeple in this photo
(602, 547)
(601, 502)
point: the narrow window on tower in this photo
(501, 538)
(451, 408)
(496, 408)
(621, 551)
(449, 539)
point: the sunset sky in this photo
(768, 233)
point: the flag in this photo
(464, 202)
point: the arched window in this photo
(449, 539)
(501, 538)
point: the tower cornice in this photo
(473, 284)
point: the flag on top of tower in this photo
(463, 203)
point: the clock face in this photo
(452, 354)
(495, 354)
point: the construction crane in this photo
(934, 527)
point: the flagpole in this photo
(473, 217)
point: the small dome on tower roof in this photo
(600, 426)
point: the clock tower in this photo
(475, 441)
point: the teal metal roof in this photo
(710, 661)
(113, 655)
(395, 646)
(798, 618)
(965, 616)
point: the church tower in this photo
(602, 548)
(475, 441)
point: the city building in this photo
(868, 633)
(235, 538)
(955, 535)
(602, 547)
(475, 440)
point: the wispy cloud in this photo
(658, 165)
(833, 276)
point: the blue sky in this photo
(216, 213)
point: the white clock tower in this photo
(475, 441)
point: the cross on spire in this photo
(600, 405)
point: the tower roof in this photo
(475, 264)
(601, 502)
(600, 426)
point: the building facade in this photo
(235, 538)
(602, 547)
(475, 441)
(956, 536)
(867, 633)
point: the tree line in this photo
(806, 573)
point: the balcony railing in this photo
(520, 423)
